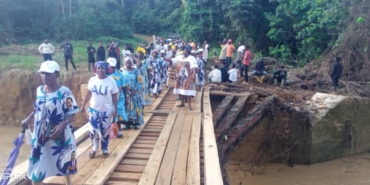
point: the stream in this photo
(7, 136)
(353, 170)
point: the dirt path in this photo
(148, 38)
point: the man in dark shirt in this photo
(259, 71)
(100, 55)
(130, 48)
(67, 48)
(112, 51)
(118, 56)
(336, 72)
(280, 76)
(149, 50)
(224, 73)
(91, 55)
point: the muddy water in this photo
(345, 171)
(7, 135)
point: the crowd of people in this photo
(124, 82)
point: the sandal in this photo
(181, 105)
(120, 134)
(134, 127)
(190, 108)
(105, 154)
(92, 154)
(127, 127)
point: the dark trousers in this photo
(70, 58)
(47, 57)
(245, 67)
(241, 67)
(228, 61)
(91, 62)
(335, 82)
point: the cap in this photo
(112, 61)
(200, 50)
(162, 51)
(49, 67)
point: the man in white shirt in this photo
(205, 52)
(47, 50)
(233, 73)
(239, 57)
(125, 53)
(214, 75)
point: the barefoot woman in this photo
(186, 70)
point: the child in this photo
(233, 73)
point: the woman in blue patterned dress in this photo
(145, 72)
(134, 89)
(201, 67)
(122, 86)
(165, 66)
(53, 142)
(156, 64)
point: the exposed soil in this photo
(148, 38)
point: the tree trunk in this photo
(61, 1)
(70, 8)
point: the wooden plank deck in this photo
(167, 149)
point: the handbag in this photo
(51, 125)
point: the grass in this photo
(27, 57)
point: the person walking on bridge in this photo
(134, 88)
(186, 70)
(53, 143)
(103, 92)
(122, 88)
(46, 49)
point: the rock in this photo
(332, 117)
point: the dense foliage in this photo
(294, 31)
(26, 21)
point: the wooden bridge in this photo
(174, 146)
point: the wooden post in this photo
(61, 1)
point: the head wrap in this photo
(105, 65)
(129, 59)
(188, 49)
